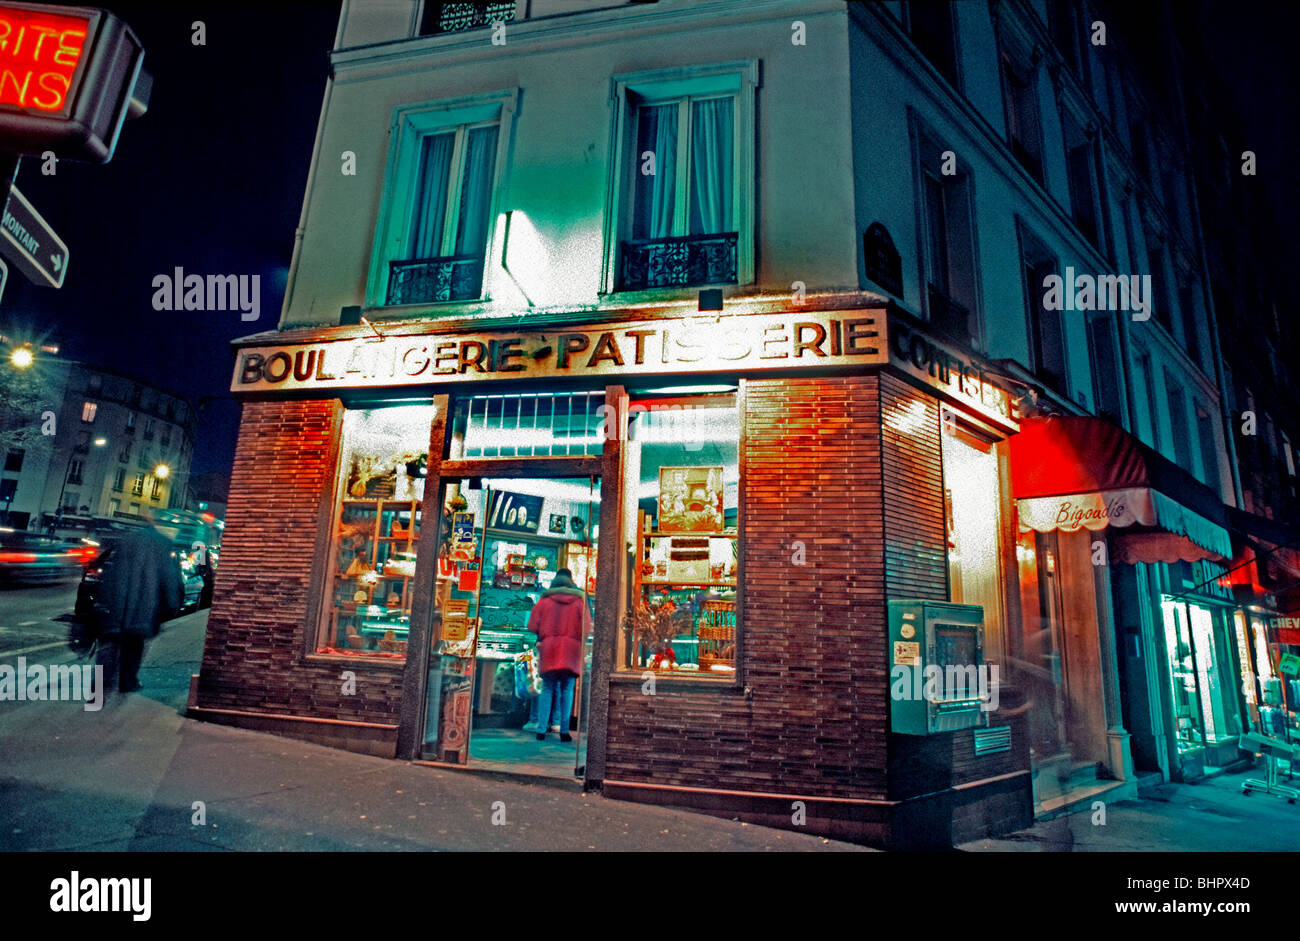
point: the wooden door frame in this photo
(608, 467)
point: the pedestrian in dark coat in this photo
(140, 587)
(561, 621)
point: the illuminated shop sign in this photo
(67, 79)
(39, 55)
(663, 347)
(957, 377)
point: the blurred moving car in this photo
(90, 580)
(31, 557)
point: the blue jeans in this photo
(555, 703)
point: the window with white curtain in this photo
(687, 145)
(681, 198)
(437, 220)
(452, 192)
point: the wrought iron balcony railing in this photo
(685, 261)
(451, 278)
(948, 316)
(456, 15)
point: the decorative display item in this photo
(690, 499)
(372, 477)
(557, 523)
(514, 512)
(654, 627)
(401, 564)
(461, 545)
(356, 641)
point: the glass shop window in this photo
(381, 479)
(539, 425)
(681, 486)
(971, 498)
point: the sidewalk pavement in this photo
(127, 778)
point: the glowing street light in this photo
(161, 471)
(100, 442)
(21, 357)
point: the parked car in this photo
(31, 557)
(95, 569)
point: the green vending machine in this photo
(938, 679)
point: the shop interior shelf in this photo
(669, 582)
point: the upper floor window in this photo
(436, 226)
(682, 194)
(1064, 22)
(137, 488)
(1191, 332)
(1209, 446)
(948, 258)
(451, 17)
(1046, 332)
(931, 27)
(1182, 444)
(1105, 369)
(88, 410)
(148, 429)
(74, 471)
(130, 423)
(1080, 165)
(95, 383)
(14, 461)
(1024, 130)
(119, 478)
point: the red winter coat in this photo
(561, 622)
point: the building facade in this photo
(108, 436)
(743, 313)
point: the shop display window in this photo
(681, 488)
(1201, 715)
(382, 468)
(532, 425)
(972, 510)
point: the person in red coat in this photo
(561, 621)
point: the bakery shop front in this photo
(770, 510)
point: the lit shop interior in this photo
(504, 538)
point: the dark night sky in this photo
(211, 179)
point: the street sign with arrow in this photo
(30, 243)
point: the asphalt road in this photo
(28, 616)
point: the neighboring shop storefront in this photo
(1132, 666)
(1263, 576)
(740, 494)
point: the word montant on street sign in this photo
(30, 243)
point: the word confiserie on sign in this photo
(722, 344)
(39, 54)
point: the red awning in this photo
(1079, 472)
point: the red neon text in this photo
(39, 53)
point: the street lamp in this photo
(21, 357)
(161, 471)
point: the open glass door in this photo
(503, 547)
